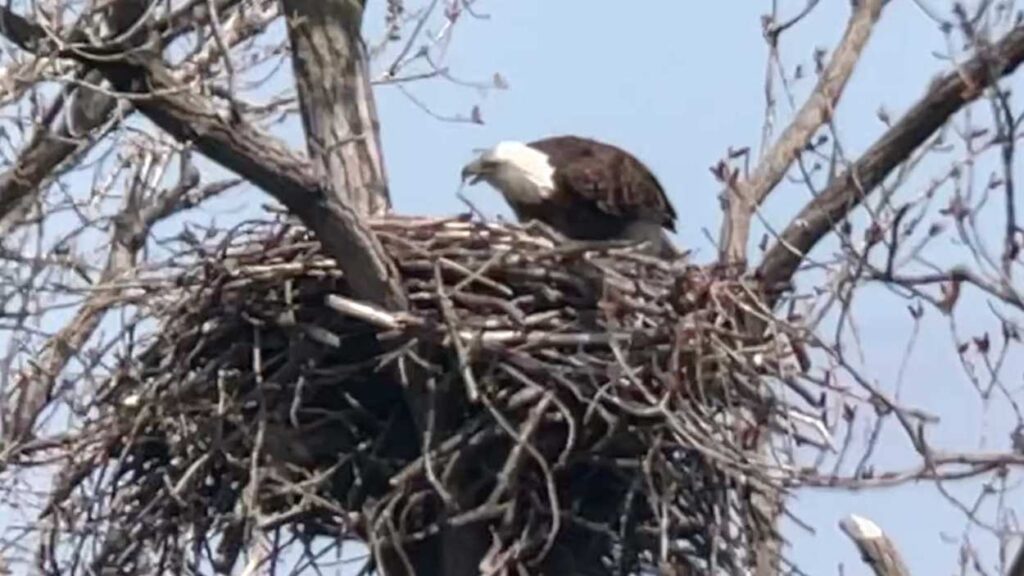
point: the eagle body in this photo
(584, 189)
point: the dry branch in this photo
(745, 196)
(875, 547)
(90, 110)
(34, 386)
(1017, 566)
(243, 148)
(945, 97)
(342, 132)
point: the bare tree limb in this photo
(1017, 567)
(744, 196)
(269, 164)
(875, 547)
(191, 118)
(945, 97)
(79, 114)
(343, 140)
(245, 149)
(224, 137)
(338, 109)
(48, 149)
(35, 385)
(89, 110)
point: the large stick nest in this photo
(599, 410)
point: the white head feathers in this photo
(521, 173)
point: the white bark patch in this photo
(861, 528)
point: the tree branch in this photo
(1017, 567)
(244, 149)
(745, 196)
(89, 110)
(34, 386)
(236, 145)
(946, 96)
(875, 547)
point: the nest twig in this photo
(583, 397)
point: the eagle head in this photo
(521, 173)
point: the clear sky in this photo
(678, 83)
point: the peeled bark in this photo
(338, 109)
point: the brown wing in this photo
(615, 181)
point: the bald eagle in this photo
(584, 189)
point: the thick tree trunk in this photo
(338, 109)
(343, 140)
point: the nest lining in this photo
(580, 397)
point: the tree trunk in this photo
(338, 109)
(343, 140)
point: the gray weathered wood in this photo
(875, 547)
(747, 195)
(338, 109)
(87, 110)
(1017, 566)
(945, 97)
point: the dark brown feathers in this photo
(612, 179)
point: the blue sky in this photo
(678, 83)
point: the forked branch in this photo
(244, 149)
(745, 196)
(1017, 566)
(34, 386)
(875, 547)
(92, 109)
(847, 191)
